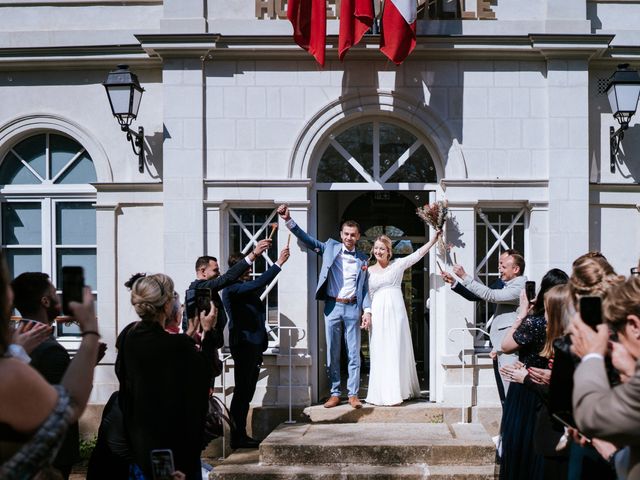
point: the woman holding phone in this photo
(34, 415)
(526, 336)
(164, 379)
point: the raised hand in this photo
(284, 256)
(459, 271)
(209, 320)
(31, 334)
(283, 211)
(84, 313)
(262, 246)
(447, 277)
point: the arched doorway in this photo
(377, 172)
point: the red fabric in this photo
(309, 20)
(356, 17)
(397, 37)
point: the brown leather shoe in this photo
(333, 401)
(354, 402)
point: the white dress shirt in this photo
(343, 275)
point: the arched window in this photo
(47, 213)
(376, 153)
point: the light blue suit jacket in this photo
(329, 251)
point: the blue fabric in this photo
(585, 463)
(135, 473)
(519, 458)
(342, 318)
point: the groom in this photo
(343, 287)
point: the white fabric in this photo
(343, 274)
(392, 377)
(407, 8)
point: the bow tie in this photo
(347, 252)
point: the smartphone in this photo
(591, 310)
(162, 464)
(569, 423)
(530, 289)
(203, 300)
(72, 286)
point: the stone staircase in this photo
(413, 441)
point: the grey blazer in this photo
(611, 414)
(507, 300)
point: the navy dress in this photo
(521, 407)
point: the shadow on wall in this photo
(627, 161)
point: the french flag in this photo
(356, 17)
(398, 29)
(309, 20)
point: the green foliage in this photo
(86, 447)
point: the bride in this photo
(392, 377)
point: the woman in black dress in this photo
(527, 336)
(164, 379)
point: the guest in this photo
(34, 415)
(248, 340)
(526, 336)
(601, 411)
(507, 300)
(36, 299)
(164, 380)
(498, 284)
(208, 276)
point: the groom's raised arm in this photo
(310, 242)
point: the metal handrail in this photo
(224, 401)
(304, 334)
(464, 329)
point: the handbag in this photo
(217, 416)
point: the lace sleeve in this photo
(43, 446)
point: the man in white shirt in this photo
(343, 287)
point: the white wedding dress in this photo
(392, 377)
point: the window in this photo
(376, 153)
(246, 227)
(47, 213)
(496, 231)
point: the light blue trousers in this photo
(339, 317)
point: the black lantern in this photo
(124, 92)
(623, 92)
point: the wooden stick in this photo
(288, 239)
(439, 266)
(455, 260)
(274, 227)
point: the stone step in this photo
(378, 444)
(244, 465)
(415, 411)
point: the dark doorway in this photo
(391, 213)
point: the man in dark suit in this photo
(247, 339)
(36, 299)
(343, 286)
(208, 276)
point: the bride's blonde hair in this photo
(386, 241)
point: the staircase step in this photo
(244, 465)
(378, 444)
(416, 411)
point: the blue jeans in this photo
(339, 316)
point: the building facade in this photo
(500, 110)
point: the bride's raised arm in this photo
(409, 260)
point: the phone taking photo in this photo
(203, 300)
(530, 289)
(591, 310)
(72, 286)
(162, 467)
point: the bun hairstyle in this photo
(386, 241)
(149, 294)
(592, 275)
